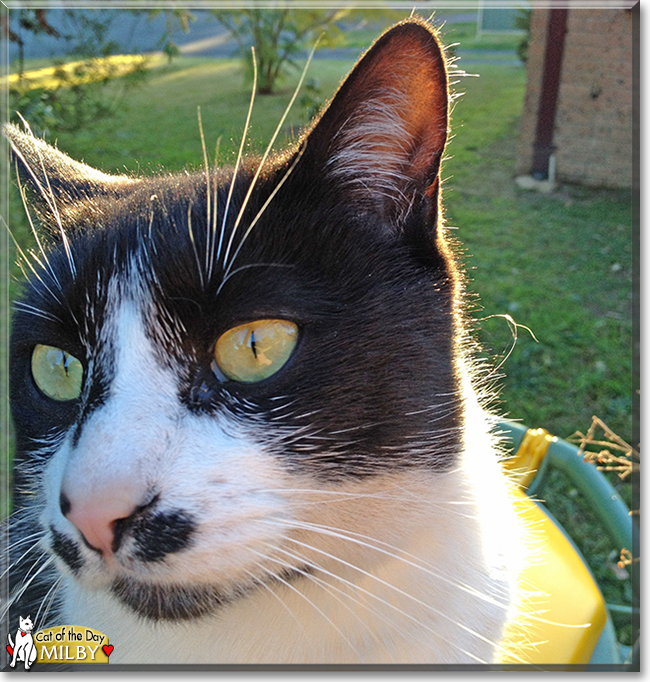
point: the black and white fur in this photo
(350, 508)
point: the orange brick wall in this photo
(593, 121)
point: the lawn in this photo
(558, 264)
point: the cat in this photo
(23, 649)
(247, 424)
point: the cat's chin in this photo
(156, 601)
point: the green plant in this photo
(74, 94)
(311, 99)
(522, 22)
(277, 36)
(76, 97)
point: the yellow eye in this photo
(58, 374)
(255, 351)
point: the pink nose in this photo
(95, 516)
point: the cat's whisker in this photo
(330, 589)
(337, 497)
(16, 545)
(196, 253)
(379, 599)
(260, 213)
(47, 601)
(11, 599)
(250, 265)
(28, 213)
(264, 158)
(396, 553)
(287, 584)
(208, 200)
(240, 155)
(398, 590)
(37, 312)
(29, 264)
(48, 196)
(213, 241)
(269, 589)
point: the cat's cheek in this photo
(236, 492)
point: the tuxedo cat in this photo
(246, 425)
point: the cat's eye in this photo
(256, 350)
(57, 374)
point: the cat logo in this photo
(59, 644)
(23, 649)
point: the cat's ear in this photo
(383, 136)
(55, 182)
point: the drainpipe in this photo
(543, 147)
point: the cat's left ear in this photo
(382, 138)
(57, 183)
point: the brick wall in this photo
(593, 122)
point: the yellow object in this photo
(563, 612)
(66, 644)
(527, 460)
(256, 350)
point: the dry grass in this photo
(613, 455)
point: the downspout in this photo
(543, 147)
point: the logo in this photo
(59, 644)
(23, 649)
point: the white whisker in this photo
(14, 598)
(196, 253)
(376, 597)
(266, 154)
(332, 588)
(207, 198)
(268, 588)
(240, 155)
(48, 600)
(398, 590)
(50, 200)
(260, 213)
(414, 561)
(287, 584)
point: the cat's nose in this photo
(96, 516)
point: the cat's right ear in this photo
(54, 182)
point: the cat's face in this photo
(26, 624)
(204, 369)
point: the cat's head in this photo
(197, 357)
(26, 624)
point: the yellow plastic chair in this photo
(566, 622)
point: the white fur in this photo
(24, 648)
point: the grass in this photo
(169, 103)
(559, 264)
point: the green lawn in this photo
(559, 264)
